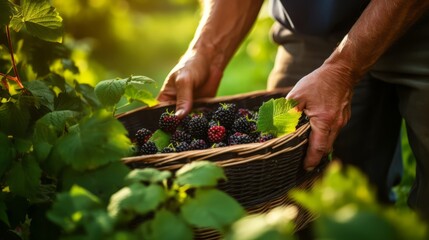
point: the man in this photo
(377, 50)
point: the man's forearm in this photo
(382, 23)
(222, 28)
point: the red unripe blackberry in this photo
(142, 135)
(216, 134)
(148, 148)
(168, 122)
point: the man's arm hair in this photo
(378, 27)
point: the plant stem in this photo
(15, 70)
(9, 77)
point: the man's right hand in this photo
(192, 78)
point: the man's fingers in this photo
(318, 144)
(184, 96)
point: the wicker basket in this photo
(259, 174)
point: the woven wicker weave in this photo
(259, 174)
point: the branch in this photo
(15, 70)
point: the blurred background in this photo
(118, 38)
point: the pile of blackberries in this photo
(224, 126)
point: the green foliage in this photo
(160, 138)
(54, 131)
(39, 18)
(111, 91)
(153, 205)
(278, 116)
(277, 224)
(200, 174)
(345, 204)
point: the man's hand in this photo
(193, 77)
(325, 96)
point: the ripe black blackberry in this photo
(243, 125)
(239, 138)
(168, 122)
(148, 148)
(184, 123)
(142, 135)
(198, 144)
(244, 112)
(265, 137)
(198, 126)
(183, 146)
(225, 114)
(303, 119)
(180, 136)
(169, 149)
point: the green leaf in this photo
(140, 81)
(147, 175)
(160, 138)
(103, 181)
(278, 223)
(40, 19)
(166, 226)
(24, 177)
(136, 198)
(278, 116)
(5, 12)
(59, 119)
(200, 174)
(71, 207)
(3, 210)
(211, 208)
(94, 142)
(14, 120)
(6, 153)
(48, 129)
(109, 92)
(132, 93)
(42, 92)
(87, 92)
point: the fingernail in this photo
(179, 112)
(309, 169)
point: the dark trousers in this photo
(380, 102)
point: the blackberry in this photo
(197, 144)
(213, 123)
(244, 112)
(198, 126)
(216, 134)
(303, 119)
(169, 149)
(183, 146)
(180, 136)
(225, 114)
(265, 137)
(142, 135)
(148, 148)
(239, 138)
(219, 144)
(184, 123)
(242, 125)
(168, 122)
